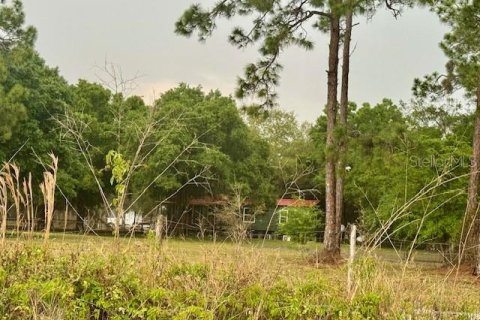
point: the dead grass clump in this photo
(28, 205)
(12, 179)
(3, 206)
(48, 187)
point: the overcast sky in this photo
(76, 36)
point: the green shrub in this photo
(366, 306)
(194, 313)
(300, 223)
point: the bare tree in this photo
(146, 141)
(231, 216)
(292, 188)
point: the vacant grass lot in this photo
(90, 277)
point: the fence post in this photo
(351, 259)
(160, 225)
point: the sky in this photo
(138, 36)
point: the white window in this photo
(282, 216)
(248, 216)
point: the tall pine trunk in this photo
(331, 243)
(340, 170)
(472, 222)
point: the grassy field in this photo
(90, 277)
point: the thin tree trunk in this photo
(340, 170)
(332, 248)
(118, 216)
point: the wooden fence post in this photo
(160, 227)
(351, 259)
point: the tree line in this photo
(410, 164)
(277, 25)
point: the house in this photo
(267, 223)
(208, 216)
(197, 216)
(202, 216)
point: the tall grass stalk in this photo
(28, 205)
(3, 206)
(48, 191)
(12, 179)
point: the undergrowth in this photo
(141, 281)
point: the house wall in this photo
(262, 222)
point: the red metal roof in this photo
(296, 203)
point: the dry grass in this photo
(3, 206)
(28, 205)
(12, 179)
(215, 274)
(420, 287)
(48, 187)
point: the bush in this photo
(300, 223)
